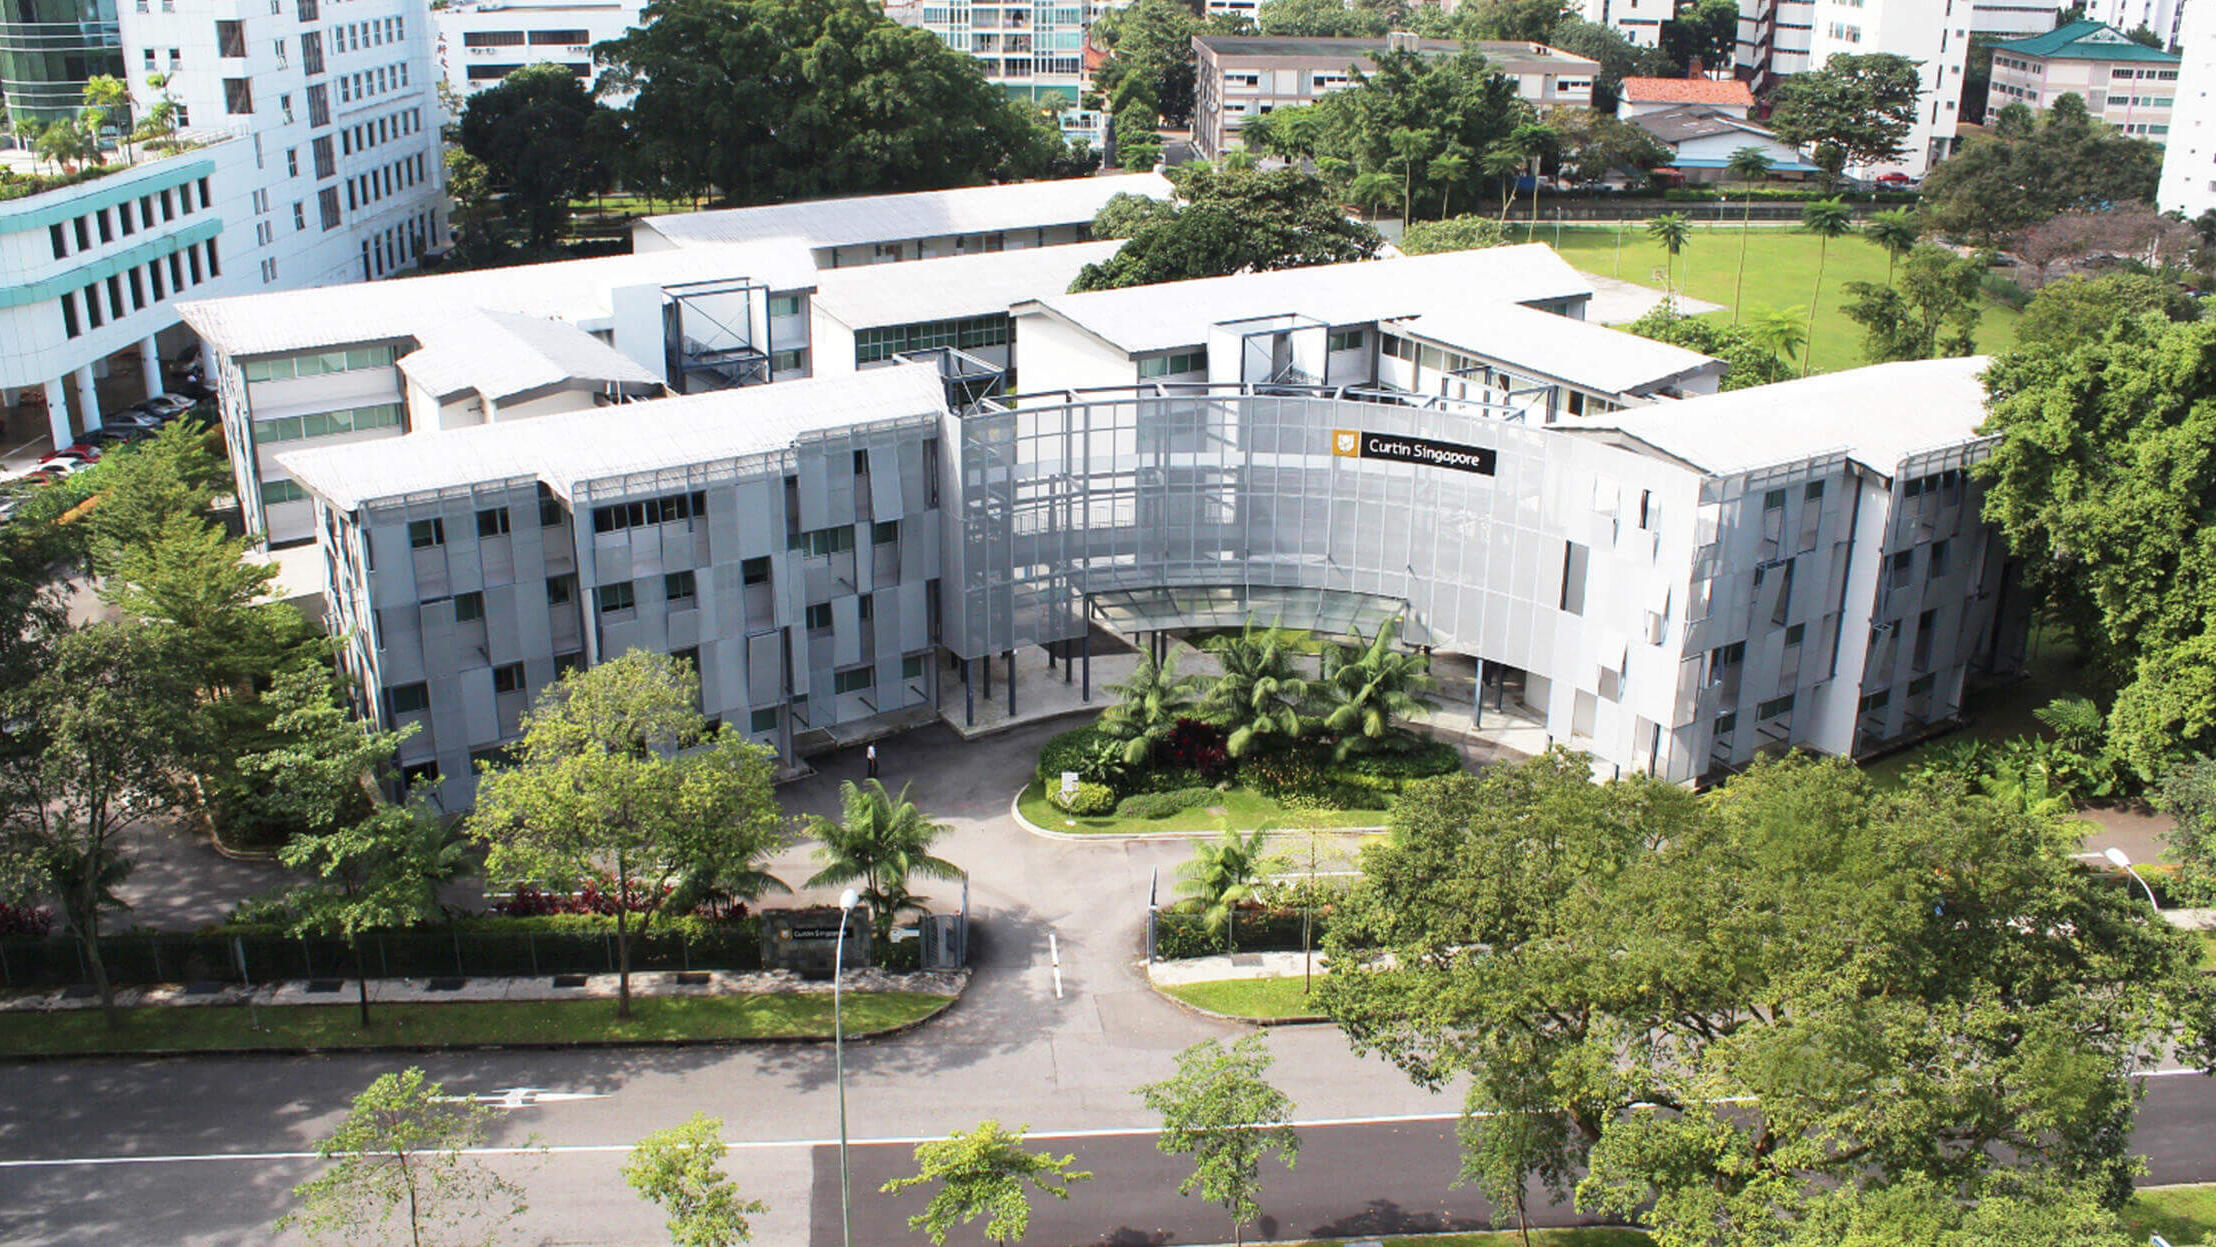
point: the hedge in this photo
(1784, 194)
(1164, 804)
(1090, 800)
(1069, 751)
(1180, 935)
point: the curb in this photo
(1147, 837)
(174, 1054)
(1264, 1023)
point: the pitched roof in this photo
(1506, 56)
(2087, 41)
(501, 354)
(919, 214)
(1686, 91)
(874, 295)
(1696, 121)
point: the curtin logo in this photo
(1362, 444)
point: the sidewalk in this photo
(1232, 966)
(459, 991)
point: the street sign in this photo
(1069, 784)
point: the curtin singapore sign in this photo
(1361, 444)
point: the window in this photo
(327, 203)
(422, 534)
(911, 667)
(784, 305)
(238, 96)
(326, 157)
(788, 361)
(762, 721)
(884, 533)
(1173, 365)
(755, 571)
(1874, 701)
(1904, 563)
(1794, 634)
(667, 509)
(1725, 723)
(550, 512)
(414, 773)
(819, 617)
(566, 663)
(561, 590)
(508, 679)
(1938, 564)
(492, 522)
(274, 492)
(678, 587)
(311, 52)
(823, 541)
(1346, 339)
(859, 680)
(408, 698)
(469, 607)
(616, 598)
(1774, 707)
(319, 105)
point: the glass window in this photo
(616, 598)
(762, 721)
(469, 607)
(425, 533)
(755, 571)
(408, 698)
(884, 532)
(508, 679)
(492, 522)
(911, 667)
(858, 680)
(561, 590)
(550, 512)
(678, 586)
(819, 616)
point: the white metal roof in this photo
(1589, 356)
(1177, 314)
(499, 354)
(606, 442)
(570, 290)
(920, 214)
(967, 285)
(1878, 415)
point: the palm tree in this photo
(1778, 330)
(1827, 219)
(1148, 706)
(1223, 875)
(1504, 162)
(1672, 230)
(1409, 148)
(108, 99)
(1750, 164)
(1371, 685)
(1372, 191)
(1259, 695)
(881, 840)
(1897, 232)
(1534, 140)
(1236, 160)
(1447, 168)
(65, 144)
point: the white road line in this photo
(1054, 951)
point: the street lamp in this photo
(2117, 858)
(847, 901)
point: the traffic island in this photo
(1267, 988)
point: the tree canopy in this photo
(2018, 177)
(2081, 309)
(767, 100)
(1800, 978)
(1754, 359)
(1228, 221)
(1860, 107)
(1931, 309)
(539, 137)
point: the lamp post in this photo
(2117, 858)
(847, 900)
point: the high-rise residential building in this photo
(2165, 18)
(2189, 158)
(305, 153)
(2126, 84)
(481, 42)
(1639, 21)
(1035, 51)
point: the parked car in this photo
(79, 453)
(1896, 182)
(168, 404)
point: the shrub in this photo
(1179, 935)
(1089, 801)
(1280, 776)
(1197, 745)
(1167, 780)
(1073, 750)
(2004, 291)
(1164, 804)
(596, 897)
(1419, 759)
(26, 920)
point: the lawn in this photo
(1781, 272)
(1261, 999)
(188, 1028)
(2185, 1215)
(1243, 810)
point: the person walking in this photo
(870, 755)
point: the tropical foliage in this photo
(881, 840)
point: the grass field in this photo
(189, 1028)
(2185, 1215)
(1242, 810)
(1781, 273)
(1261, 999)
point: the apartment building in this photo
(921, 225)
(306, 153)
(1236, 77)
(481, 42)
(2128, 85)
(2189, 157)
(1639, 21)
(1035, 52)
(2165, 18)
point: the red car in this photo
(81, 452)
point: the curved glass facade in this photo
(49, 48)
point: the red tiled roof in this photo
(1687, 91)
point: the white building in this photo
(1702, 141)
(1639, 21)
(311, 157)
(2189, 158)
(2164, 17)
(480, 42)
(879, 229)
(1035, 52)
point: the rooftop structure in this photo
(1728, 96)
(2128, 85)
(1702, 139)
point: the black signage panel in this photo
(1362, 444)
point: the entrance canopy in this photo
(1331, 612)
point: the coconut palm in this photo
(880, 840)
(1411, 147)
(1827, 219)
(65, 144)
(1370, 686)
(1750, 164)
(1504, 161)
(1373, 190)
(1260, 693)
(1778, 330)
(1223, 875)
(1897, 232)
(1148, 706)
(1448, 168)
(1672, 230)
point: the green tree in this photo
(1230, 221)
(1412, 149)
(1514, 21)
(681, 1170)
(1673, 231)
(2081, 309)
(1372, 191)
(1750, 164)
(1618, 57)
(1779, 331)
(1826, 219)
(1503, 163)
(1462, 233)
(66, 143)
(92, 737)
(1447, 169)
(2023, 1211)
(2031, 169)
(1590, 146)
(1314, 18)
(773, 100)
(1370, 686)
(1859, 106)
(2188, 794)
(536, 134)
(1898, 232)
(883, 841)
(617, 775)
(1260, 693)
(401, 1151)
(1459, 98)
(1756, 355)
(108, 101)
(141, 486)
(1220, 1109)
(1222, 875)
(1151, 46)
(1704, 31)
(1938, 293)
(1148, 706)
(159, 129)
(985, 1173)
(482, 237)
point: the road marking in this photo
(756, 1145)
(522, 1097)
(1054, 951)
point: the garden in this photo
(1290, 735)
